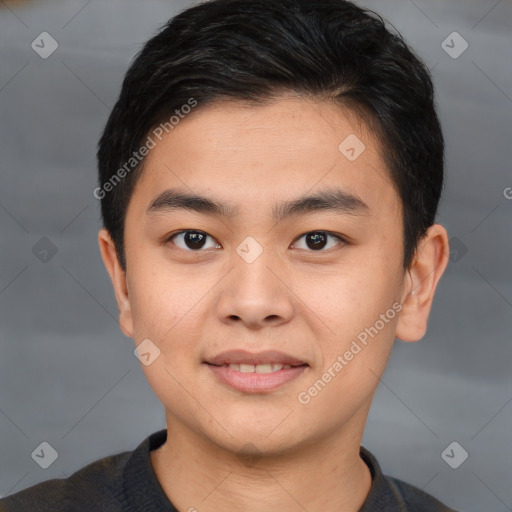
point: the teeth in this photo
(259, 368)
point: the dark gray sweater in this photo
(126, 482)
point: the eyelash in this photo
(327, 233)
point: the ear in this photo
(118, 278)
(429, 264)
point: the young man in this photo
(269, 180)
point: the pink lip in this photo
(244, 357)
(252, 382)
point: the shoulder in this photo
(389, 494)
(97, 485)
(414, 498)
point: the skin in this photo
(309, 303)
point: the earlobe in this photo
(118, 278)
(421, 281)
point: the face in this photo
(256, 267)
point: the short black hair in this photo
(257, 50)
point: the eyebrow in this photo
(333, 200)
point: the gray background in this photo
(68, 375)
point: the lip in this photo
(253, 382)
(245, 357)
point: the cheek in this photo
(169, 304)
(351, 303)
(346, 296)
(158, 300)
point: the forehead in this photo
(287, 147)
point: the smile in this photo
(256, 378)
(258, 368)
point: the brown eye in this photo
(192, 240)
(317, 240)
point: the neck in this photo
(196, 474)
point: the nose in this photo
(255, 294)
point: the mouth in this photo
(258, 368)
(255, 372)
(246, 360)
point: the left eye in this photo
(317, 240)
(192, 240)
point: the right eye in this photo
(191, 240)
